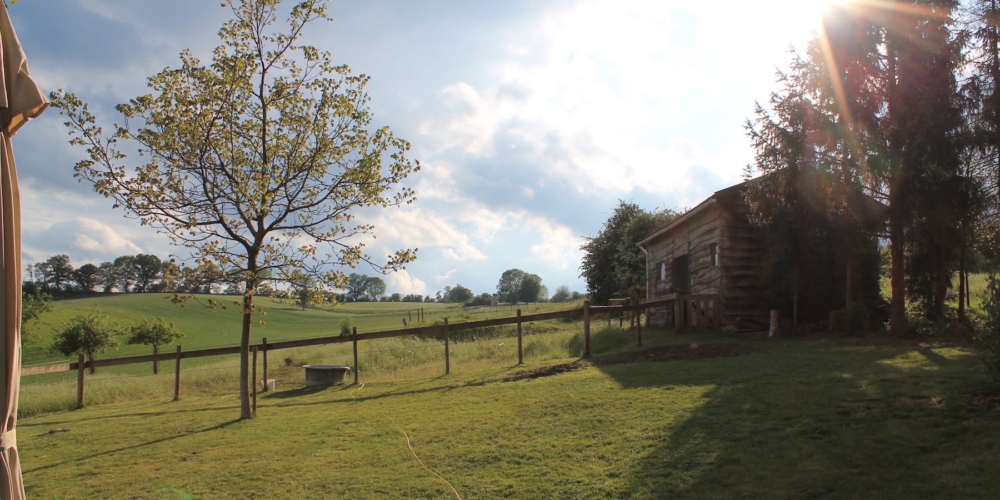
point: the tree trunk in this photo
(961, 280)
(245, 411)
(897, 318)
(245, 356)
(90, 356)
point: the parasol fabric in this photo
(20, 101)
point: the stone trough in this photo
(320, 375)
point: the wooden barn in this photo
(712, 269)
(707, 262)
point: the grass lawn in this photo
(790, 418)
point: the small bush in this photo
(854, 319)
(988, 338)
(346, 326)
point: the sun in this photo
(805, 13)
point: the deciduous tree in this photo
(509, 286)
(87, 334)
(259, 160)
(155, 333)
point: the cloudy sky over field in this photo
(530, 118)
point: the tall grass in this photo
(391, 359)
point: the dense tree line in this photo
(613, 265)
(896, 102)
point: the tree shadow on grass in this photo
(360, 396)
(49, 423)
(816, 419)
(84, 458)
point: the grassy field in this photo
(206, 327)
(786, 418)
(380, 360)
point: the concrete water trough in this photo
(320, 375)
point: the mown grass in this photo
(795, 418)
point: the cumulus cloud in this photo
(402, 282)
(81, 238)
(422, 228)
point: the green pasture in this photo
(384, 359)
(207, 326)
(830, 418)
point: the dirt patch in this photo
(545, 371)
(679, 353)
(664, 353)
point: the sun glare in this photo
(805, 13)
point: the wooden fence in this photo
(81, 365)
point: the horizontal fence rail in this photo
(288, 344)
(264, 346)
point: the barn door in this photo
(680, 282)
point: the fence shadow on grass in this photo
(819, 419)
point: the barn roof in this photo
(701, 207)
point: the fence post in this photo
(80, 374)
(264, 362)
(409, 314)
(177, 376)
(586, 328)
(156, 351)
(354, 334)
(253, 410)
(404, 323)
(447, 357)
(421, 314)
(638, 326)
(520, 353)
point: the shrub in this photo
(86, 334)
(346, 326)
(988, 338)
(854, 319)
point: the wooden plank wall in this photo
(735, 280)
(692, 238)
(741, 248)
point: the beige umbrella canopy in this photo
(20, 101)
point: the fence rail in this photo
(264, 346)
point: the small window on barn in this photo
(713, 251)
(663, 271)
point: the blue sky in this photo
(531, 119)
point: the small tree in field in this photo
(86, 334)
(257, 161)
(33, 305)
(155, 333)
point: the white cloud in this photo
(422, 228)
(401, 281)
(559, 247)
(81, 237)
(444, 277)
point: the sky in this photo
(531, 119)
